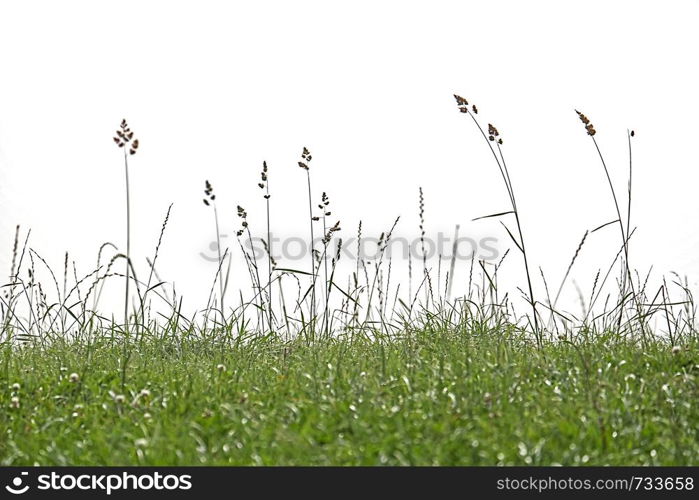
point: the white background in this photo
(213, 88)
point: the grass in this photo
(124, 137)
(293, 378)
(433, 397)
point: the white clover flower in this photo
(221, 368)
(145, 393)
(147, 416)
(141, 443)
(14, 402)
(74, 378)
(676, 349)
(120, 399)
(15, 387)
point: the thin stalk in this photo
(325, 278)
(628, 209)
(257, 276)
(269, 258)
(452, 265)
(313, 263)
(510, 191)
(220, 263)
(128, 240)
(626, 275)
(521, 241)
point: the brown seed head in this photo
(124, 136)
(586, 121)
(583, 118)
(306, 155)
(461, 103)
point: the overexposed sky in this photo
(212, 89)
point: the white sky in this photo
(213, 88)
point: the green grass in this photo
(430, 381)
(434, 397)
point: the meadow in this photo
(309, 368)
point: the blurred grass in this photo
(433, 397)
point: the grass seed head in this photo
(324, 204)
(271, 257)
(306, 157)
(209, 196)
(492, 132)
(461, 103)
(125, 136)
(588, 125)
(263, 174)
(244, 222)
(328, 236)
(263, 179)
